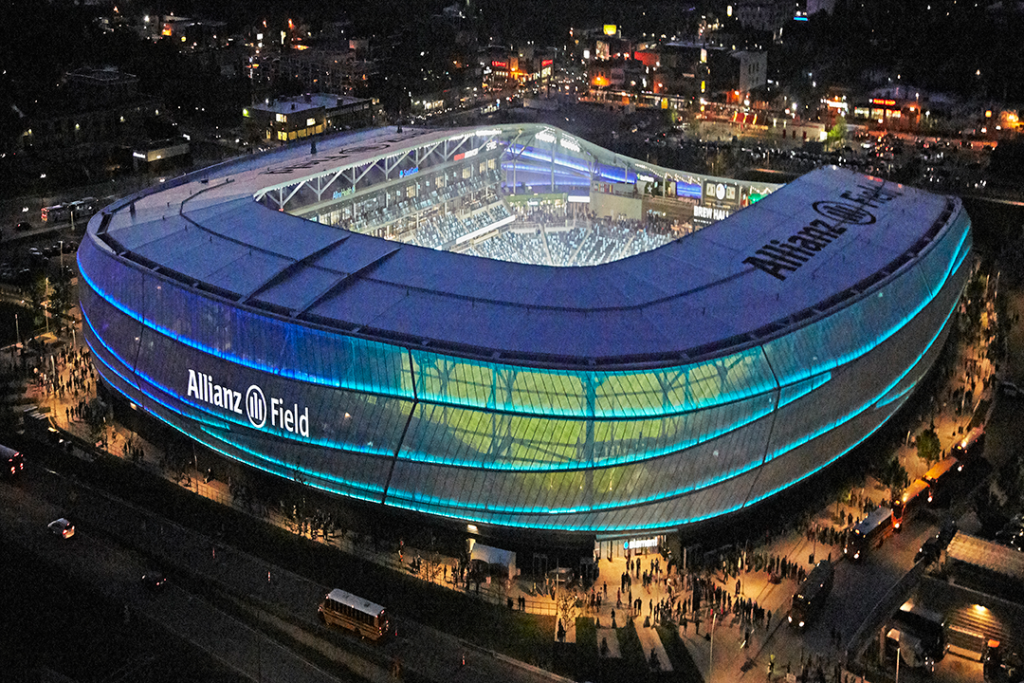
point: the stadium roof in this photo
(723, 287)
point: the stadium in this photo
(512, 328)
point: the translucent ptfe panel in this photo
(469, 437)
(854, 330)
(261, 342)
(295, 412)
(556, 490)
(511, 388)
(345, 472)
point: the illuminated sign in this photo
(884, 103)
(203, 388)
(635, 543)
(499, 65)
(408, 171)
(710, 213)
(789, 253)
(546, 62)
(691, 190)
(610, 29)
(720, 192)
(466, 155)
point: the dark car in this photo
(946, 532)
(23, 226)
(61, 527)
(1000, 667)
(929, 551)
(154, 581)
(11, 462)
(1010, 389)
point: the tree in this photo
(894, 476)
(36, 297)
(928, 447)
(837, 135)
(567, 606)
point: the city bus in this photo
(903, 509)
(871, 527)
(11, 461)
(58, 213)
(939, 475)
(811, 595)
(82, 209)
(340, 608)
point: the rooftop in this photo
(693, 297)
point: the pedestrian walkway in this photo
(565, 631)
(657, 658)
(608, 644)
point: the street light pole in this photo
(711, 654)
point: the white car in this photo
(61, 527)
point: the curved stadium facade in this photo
(280, 311)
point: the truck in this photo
(926, 625)
(908, 649)
(811, 595)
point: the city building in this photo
(253, 307)
(769, 16)
(96, 110)
(316, 68)
(527, 65)
(294, 118)
(683, 68)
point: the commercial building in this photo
(294, 118)
(99, 109)
(252, 307)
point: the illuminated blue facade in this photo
(712, 411)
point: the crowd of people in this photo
(66, 373)
(585, 243)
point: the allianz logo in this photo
(202, 388)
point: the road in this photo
(109, 549)
(96, 560)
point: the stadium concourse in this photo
(324, 315)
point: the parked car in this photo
(154, 581)
(61, 527)
(1010, 389)
(929, 551)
